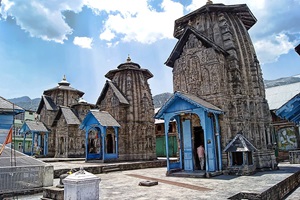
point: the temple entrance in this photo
(109, 143)
(61, 146)
(198, 140)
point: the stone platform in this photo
(124, 184)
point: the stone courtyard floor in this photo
(125, 184)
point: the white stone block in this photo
(81, 185)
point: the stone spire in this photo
(64, 81)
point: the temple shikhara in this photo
(218, 79)
(127, 97)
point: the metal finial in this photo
(128, 59)
(209, 2)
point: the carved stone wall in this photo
(69, 140)
(234, 83)
(65, 97)
(47, 118)
(137, 132)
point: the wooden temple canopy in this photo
(193, 102)
(100, 121)
(36, 129)
(181, 104)
(290, 110)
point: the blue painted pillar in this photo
(218, 141)
(166, 122)
(177, 118)
(23, 143)
(117, 140)
(32, 143)
(46, 143)
(39, 139)
(86, 142)
(103, 133)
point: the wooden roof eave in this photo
(177, 50)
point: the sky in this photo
(43, 40)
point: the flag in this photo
(7, 140)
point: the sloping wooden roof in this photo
(239, 144)
(96, 117)
(33, 126)
(122, 99)
(7, 106)
(70, 117)
(176, 52)
(48, 102)
(104, 118)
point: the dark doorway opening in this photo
(237, 158)
(62, 146)
(198, 140)
(109, 144)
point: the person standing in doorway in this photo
(201, 156)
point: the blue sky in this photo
(43, 40)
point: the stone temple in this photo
(214, 59)
(127, 97)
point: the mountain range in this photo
(158, 100)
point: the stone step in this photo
(112, 168)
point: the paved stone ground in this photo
(125, 184)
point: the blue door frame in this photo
(188, 147)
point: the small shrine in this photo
(191, 111)
(240, 156)
(39, 134)
(101, 136)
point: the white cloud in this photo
(270, 48)
(42, 19)
(107, 35)
(83, 42)
(136, 20)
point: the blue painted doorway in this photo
(188, 147)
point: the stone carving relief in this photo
(198, 69)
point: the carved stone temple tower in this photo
(127, 97)
(214, 59)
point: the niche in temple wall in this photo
(199, 69)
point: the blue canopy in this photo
(290, 110)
